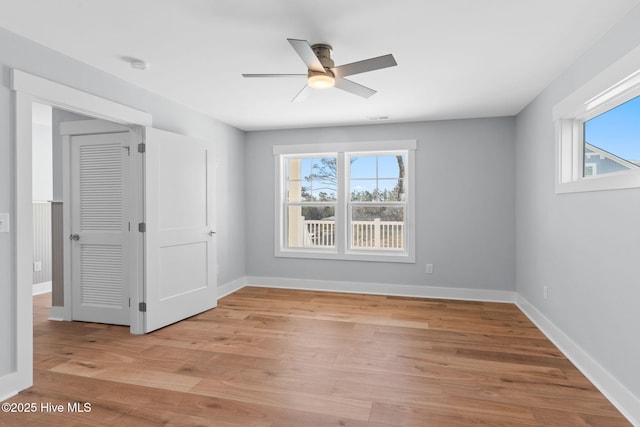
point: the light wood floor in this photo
(269, 357)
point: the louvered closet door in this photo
(100, 290)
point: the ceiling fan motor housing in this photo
(323, 52)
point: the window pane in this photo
(377, 227)
(363, 166)
(391, 190)
(311, 226)
(383, 190)
(363, 190)
(311, 179)
(389, 166)
(378, 178)
(612, 140)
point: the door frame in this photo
(26, 89)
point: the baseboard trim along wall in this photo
(41, 288)
(383, 289)
(231, 287)
(58, 314)
(625, 401)
(10, 386)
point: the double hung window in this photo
(311, 195)
(346, 201)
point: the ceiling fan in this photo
(322, 74)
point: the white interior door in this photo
(180, 242)
(99, 228)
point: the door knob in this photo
(75, 237)
(211, 233)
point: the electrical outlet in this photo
(37, 266)
(545, 292)
(429, 269)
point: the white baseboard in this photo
(8, 396)
(41, 288)
(231, 287)
(383, 289)
(620, 396)
(12, 383)
(58, 314)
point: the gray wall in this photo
(585, 246)
(17, 52)
(465, 208)
(42, 162)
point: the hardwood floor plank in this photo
(128, 374)
(557, 417)
(393, 392)
(315, 403)
(407, 416)
(556, 399)
(277, 357)
(280, 378)
(293, 418)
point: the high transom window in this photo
(612, 140)
(598, 131)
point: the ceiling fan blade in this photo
(302, 95)
(354, 88)
(303, 48)
(275, 75)
(364, 66)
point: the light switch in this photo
(4, 222)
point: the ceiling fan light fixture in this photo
(318, 80)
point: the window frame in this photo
(342, 250)
(616, 85)
(286, 203)
(358, 203)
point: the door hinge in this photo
(142, 227)
(141, 147)
(142, 307)
(129, 302)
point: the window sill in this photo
(617, 181)
(401, 257)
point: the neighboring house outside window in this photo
(600, 162)
(349, 201)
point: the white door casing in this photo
(99, 223)
(180, 242)
(27, 88)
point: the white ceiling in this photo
(456, 58)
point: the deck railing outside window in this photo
(319, 233)
(374, 234)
